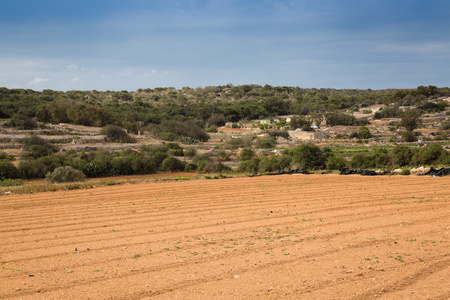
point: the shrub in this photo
(8, 170)
(11, 182)
(283, 134)
(65, 174)
(361, 161)
(364, 132)
(401, 156)
(246, 154)
(223, 156)
(115, 133)
(430, 155)
(307, 156)
(185, 129)
(190, 152)
(187, 140)
(335, 163)
(249, 166)
(171, 164)
(337, 118)
(35, 146)
(409, 136)
(269, 164)
(211, 129)
(190, 167)
(405, 172)
(22, 121)
(266, 143)
(354, 135)
(234, 143)
(168, 136)
(215, 166)
(174, 149)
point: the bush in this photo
(266, 143)
(309, 157)
(35, 146)
(11, 182)
(405, 172)
(8, 170)
(430, 155)
(174, 149)
(354, 135)
(283, 134)
(190, 167)
(211, 129)
(115, 133)
(65, 174)
(364, 132)
(401, 156)
(23, 122)
(234, 143)
(335, 163)
(409, 136)
(190, 152)
(171, 164)
(249, 166)
(246, 154)
(337, 118)
(187, 140)
(168, 136)
(269, 164)
(190, 129)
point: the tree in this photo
(301, 122)
(410, 119)
(246, 154)
(115, 133)
(307, 156)
(338, 118)
(364, 132)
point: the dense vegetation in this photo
(150, 109)
(187, 115)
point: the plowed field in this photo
(270, 237)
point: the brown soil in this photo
(270, 237)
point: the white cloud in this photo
(38, 80)
(75, 79)
(72, 67)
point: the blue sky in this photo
(131, 44)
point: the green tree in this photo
(410, 119)
(309, 157)
(364, 132)
(301, 122)
(246, 154)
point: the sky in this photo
(131, 44)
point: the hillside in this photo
(207, 129)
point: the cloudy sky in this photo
(131, 44)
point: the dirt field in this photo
(271, 237)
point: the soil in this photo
(268, 237)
